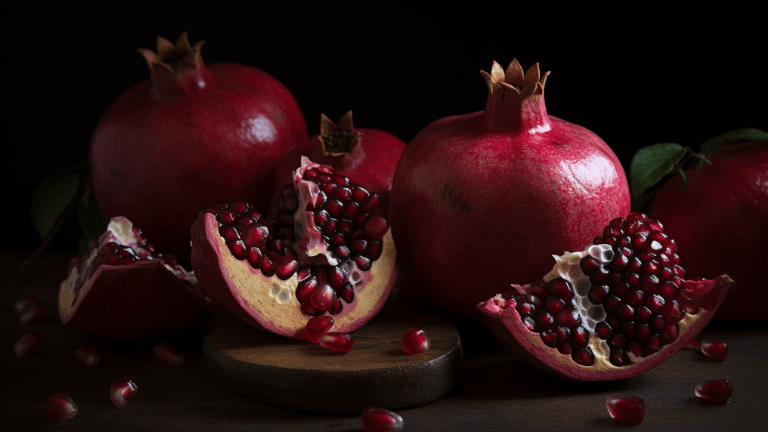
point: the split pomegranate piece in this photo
(415, 341)
(324, 250)
(712, 349)
(381, 420)
(626, 408)
(124, 289)
(87, 357)
(337, 342)
(27, 344)
(60, 406)
(616, 309)
(122, 392)
(166, 355)
(715, 390)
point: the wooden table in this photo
(497, 391)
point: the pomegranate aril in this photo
(318, 326)
(22, 305)
(27, 344)
(715, 350)
(285, 267)
(568, 318)
(626, 408)
(589, 265)
(381, 420)
(415, 341)
(598, 293)
(376, 227)
(87, 357)
(549, 338)
(166, 355)
(60, 406)
(337, 342)
(238, 250)
(715, 390)
(122, 392)
(561, 288)
(554, 304)
(322, 298)
(362, 262)
(347, 293)
(673, 312)
(35, 312)
(583, 356)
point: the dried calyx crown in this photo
(524, 84)
(176, 66)
(338, 139)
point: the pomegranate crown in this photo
(175, 67)
(338, 139)
(523, 84)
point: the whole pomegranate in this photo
(369, 156)
(485, 198)
(720, 221)
(190, 136)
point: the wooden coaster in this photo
(307, 377)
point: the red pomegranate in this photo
(190, 136)
(369, 156)
(720, 221)
(614, 310)
(482, 199)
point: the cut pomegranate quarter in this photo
(60, 406)
(323, 251)
(626, 408)
(614, 310)
(381, 420)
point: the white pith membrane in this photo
(271, 302)
(689, 305)
(135, 252)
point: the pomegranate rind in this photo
(505, 323)
(269, 303)
(146, 299)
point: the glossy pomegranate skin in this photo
(483, 199)
(720, 223)
(172, 145)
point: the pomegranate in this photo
(381, 420)
(367, 155)
(60, 406)
(189, 136)
(124, 289)
(626, 408)
(729, 199)
(487, 197)
(324, 250)
(614, 310)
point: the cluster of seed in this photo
(550, 310)
(345, 214)
(338, 141)
(639, 289)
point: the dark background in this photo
(635, 77)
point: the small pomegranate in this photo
(191, 135)
(324, 250)
(60, 406)
(729, 199)
(124, 289)
(626, 408)
(367, 155)
(614, 310)
(487, 197)
(381, 420)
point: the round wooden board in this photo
(303, 376)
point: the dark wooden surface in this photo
(496, 391)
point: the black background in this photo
(634, 77)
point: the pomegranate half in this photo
(124, 289)
(324, 250)
(617, 308)
(191, 135)
(487, 197)
(720, 220)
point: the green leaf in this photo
(745, 134)
(51, 199)
(89, 214)
(650, 164)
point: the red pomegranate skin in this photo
(720, 223)
(483, 199)
(175, 144)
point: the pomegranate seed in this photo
(27, 344)
(381, 420)
(415, 341)
(716, 390)
(122, 392)
(337, 342)
(318, 326)
(22, 305)
(626, 408)
(166, 355)
(715, 350)
(568, 318)
(376, 227)
(60, 406)
(561, 288)
(87, 357)
(322, 298)
(36, 312)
